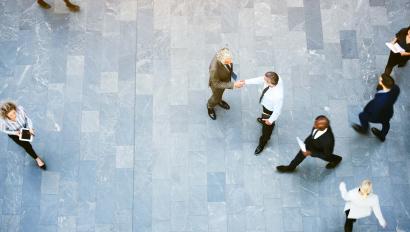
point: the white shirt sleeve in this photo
(378, 212)
(343, 191)
(4, 129)
(28, 120)
(255, 81)
(277, 108)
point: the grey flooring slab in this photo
(117, 93)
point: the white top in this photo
(22, 121)
(273, 98)
(359, 206)
(319, 133)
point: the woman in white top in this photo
(13, 119)
(359, 204)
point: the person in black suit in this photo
(380, 108)
(319, 144)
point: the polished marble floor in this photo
(117, 93)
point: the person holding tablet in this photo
(15, 122)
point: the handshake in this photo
(239, 84)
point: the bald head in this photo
(321, 122)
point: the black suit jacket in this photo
(322, 145)
(380, 108)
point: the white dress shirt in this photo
(359, 206)
(13, 127)
(319, 133)
(273, 98)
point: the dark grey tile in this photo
(348, 42)
(313, 24)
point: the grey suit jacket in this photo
(219, 75)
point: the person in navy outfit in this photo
(380, 108)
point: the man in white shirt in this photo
(271, 100)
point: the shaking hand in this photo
(239, 84)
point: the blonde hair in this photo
(366, 187)
(223, 54)
(6, 108)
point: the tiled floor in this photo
(117, 93)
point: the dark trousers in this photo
(395, 59)
(216, 97)
(300, 157)
(25, 145)
(365, 119)
(349, 222)
(266, 129)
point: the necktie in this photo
(263, 93)
(314, 133)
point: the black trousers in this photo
(365, 119)
(349, 222)
(266, 129)
(25, 145)
(395, 59)
(300, 157)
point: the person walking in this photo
(319, 143)
(15, 118)
(360, 202)
(399, 59)
(379, 109)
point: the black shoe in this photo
(260, 121)
(283, 168)
(378, 134)
(259, 149)
(211, 113)
(72, 7)
(359, 129)
(44, 166)
(224, 105)
(43, 4)
(332, 165)
(401, 65)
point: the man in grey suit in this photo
(220, 73)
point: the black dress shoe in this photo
(332, 165)
(260, 121)
(43, 4)
(378, 134)
(359, 129)
(258, 150)
(224, 105)
(72, 7)
(44, 166)
(211, 113)
(283, 168)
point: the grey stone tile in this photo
(296, 19)
(50, 182)
(216, 187)
(348, 42)
(313, 24)
(217, 217)
(48, 209)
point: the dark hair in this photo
(273, 76)
(387, 81)
(322, 117)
